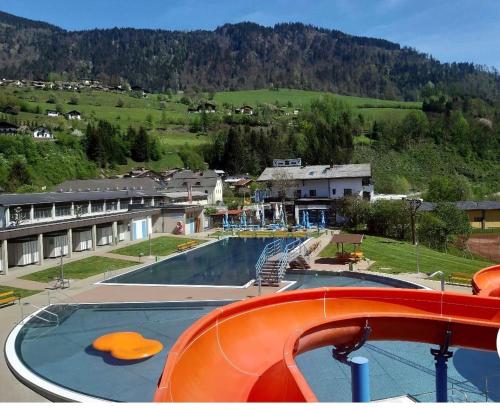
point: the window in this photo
(366, 181)
(298, 193)
(366, 195)
(111, 206)
(347, 192)
(63, 211)
(20, 213)
(97, 207)
(312, 193)
(43, 212)
(147, 202)
(478, 219)
(137, 200)
(81, 208)
(334, 192)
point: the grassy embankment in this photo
(160, 246)
(80, 269)
(392, 256)
(18, 292)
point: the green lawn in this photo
(160, 246)
(80, 269)
(18, 292)
(300, 97)
(393, 256)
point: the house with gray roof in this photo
(206, 182)
(316, 189)
(319, 181)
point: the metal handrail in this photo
(271, 249)
(40, 310)
(286, 258)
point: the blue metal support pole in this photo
(441, 378)
(360, 379)
(441, 357)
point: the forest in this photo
(239, 56)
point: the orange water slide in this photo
(245, 352)
(486, 282)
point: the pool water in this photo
(403, 368)
(229, 262)
(68, 360)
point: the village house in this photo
(8, 128)
(42, 133)
(244, 110)
(317, 188)
(207, 182)
(206, 107)
(74, 115)
(52, 113)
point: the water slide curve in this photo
(245, 352)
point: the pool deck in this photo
(85, 291)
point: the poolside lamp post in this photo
(413, 206)
(62, 268)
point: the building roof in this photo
(347, 238)
(316, 172)
(81, 185)
(243, 182)
(182, 180)
(7, 125)
(185, 195)
(466, 205)
(74, 112)
(58, 197)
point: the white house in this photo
(316, 188)
(74, 115)
(319, 181)
(42, 133)
(206, 182)
(52, 113)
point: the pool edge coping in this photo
(51, 390)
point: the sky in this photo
(449, 30)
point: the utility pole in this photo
(413, 206)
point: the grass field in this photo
(395, 257)
(299, 98)
(167, 118)
(170, 112)
(80, 269)
(18, 292)
(160, 246)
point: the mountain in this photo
(235, 56)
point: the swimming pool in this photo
(68, 360)
(227, 262)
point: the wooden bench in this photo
(459, 278)
(186, 246)
(8, 298)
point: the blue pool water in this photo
(68, 359)
(229, 262)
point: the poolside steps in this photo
(270, 273)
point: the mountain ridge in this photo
(235, 57)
